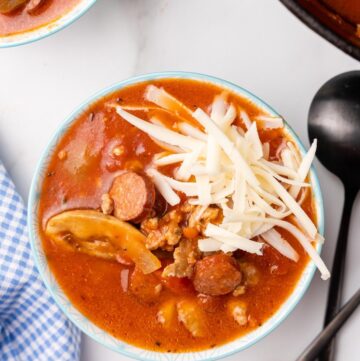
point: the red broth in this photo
(349, 9)
(21, 21)
(94, 285)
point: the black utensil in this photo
(334, 119)
(331, 329)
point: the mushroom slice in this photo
(88, 230)
(98, 248)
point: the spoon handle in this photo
(338, 269)
(325, 335)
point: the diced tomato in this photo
(178, 285)
(190, 232)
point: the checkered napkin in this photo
(32, 328)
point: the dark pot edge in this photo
(321, 29)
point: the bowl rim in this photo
(101, 336)
(43, 31)
(318, 27)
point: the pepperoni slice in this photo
(133, 195)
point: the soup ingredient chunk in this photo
(216, 275)
(238, 310)
(167, 314)
(7, 6)
(145, 287)
(184, 199)
(165, 232)
(191, 316)
(185, 256)
(107, 204)
(34, 5)
(178, 285)
(133, 195)
(71, 228)
(250, 272)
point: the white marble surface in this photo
(256, 44)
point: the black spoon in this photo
(334, 119)
(328, 333)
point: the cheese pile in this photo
(221, 164)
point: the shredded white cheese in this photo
(270, 122)
(218, 163)
(170, 159)
(163, 99)
(304, 168)
(252, 136)
(245, 118)
(225, 144)
(233, 239)
(275, 239)
(187, 129)
(163, 187)
(159, 132)
(209, 245)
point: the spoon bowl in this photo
(334, 119)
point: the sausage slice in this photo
(216, 275)
(133, 195)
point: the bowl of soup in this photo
(25, 21)
(176, 216)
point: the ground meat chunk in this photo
(239, 290)
(150, 224)
(216, 275)
(185, 221)
(185, 256)
(164, 233)
(107, 204)
(250, 272)
(199, 217)
(238, 310)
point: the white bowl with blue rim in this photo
(102, 336)
(46, 30)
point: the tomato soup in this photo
(141, 232)
(23, 19)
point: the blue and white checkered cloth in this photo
(32, 328)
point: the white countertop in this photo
(256, 44)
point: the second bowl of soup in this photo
(24, 21)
